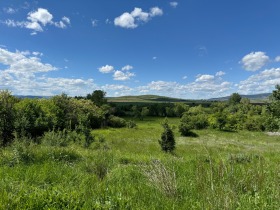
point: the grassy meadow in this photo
(125, 169)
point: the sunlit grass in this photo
(126, 169)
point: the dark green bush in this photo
(116, 122)
(167, 141)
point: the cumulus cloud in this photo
(277, 59)
(155, 11)
(137, 16)
(204, 77)
(220, 73)
(40, 16)
(122, 76)
(106, 69)
(127, 68)
(37, 20)
(174, 4)
(263, 82)
(22, 74)
(254, 61)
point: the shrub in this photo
(167, 141)
(116, 122)
(131, 124)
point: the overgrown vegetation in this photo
(59, 153)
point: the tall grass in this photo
(126, 169)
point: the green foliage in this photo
(167, 141)
(180, 108)
(31, 120)
(234, 99)
(131, 124)
(7, 117)
(274, 106)
(144, 112)
(97, 97)
(116, 122)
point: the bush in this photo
(167, 141)
(116, 122)
(131, 124)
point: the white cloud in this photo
(37, 54)
(139, 14)
(40, 16)
(155, 11)
(9, 10)
(94, 23)
(22, 75)
(126, 20)
(106, 69)
(136, 17)
(184, 77)
(66, 20)
(220, 73)
(262, 82)
(122, 76)
(37, 20)
(174, 4)
(204, 77)
(277, 59)
(254, 61)
(34, 26)
(127, 68)
(108, 21)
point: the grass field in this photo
(126, 169)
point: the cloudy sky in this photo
(186, 48)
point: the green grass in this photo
(126, 169)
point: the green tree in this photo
(180, 108)
(7, 115)
(30, 119)
(144, 112)
(234, 99)
(274, 106)
(167, 141)
(98, 97)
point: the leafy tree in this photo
(234, 99)
(30, 119)
(180, 108)
(65, 112)
(135, 111)
(7, 116)
(274, 106)
(144, 112)
(98, 97)
(167, 141)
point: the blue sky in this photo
(194, 49)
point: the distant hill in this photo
(257, 98)
(146, 99)
(29, 96)
(254, 98)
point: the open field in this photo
(126, 169)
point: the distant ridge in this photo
(255, 97)
(164, 99)
(30, 96)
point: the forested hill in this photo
(256, 97)
(163, 99)
(146, 99)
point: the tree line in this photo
(33, 117)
